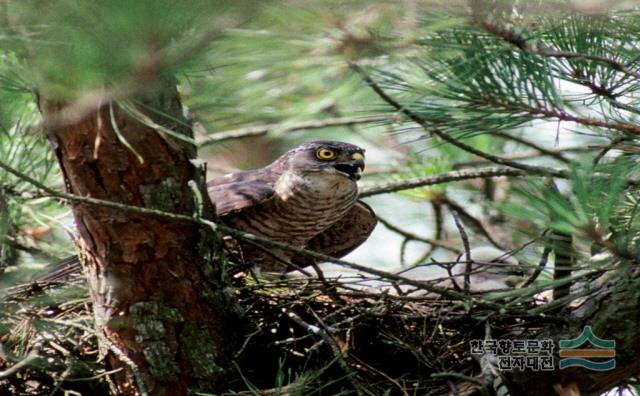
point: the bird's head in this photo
(328, 157)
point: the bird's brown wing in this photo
(238, 191)
(345, 235)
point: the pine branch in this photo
(554, 114)
(446, 177)
(557, 154)
(603, 91)
(538, 270)
(94, 201)
(432, 129)
(413, 237)
(520, 42)
(28, 360)
(467, 250)
(261, 130)
(586, 121)
(523, 155)
(475, 223)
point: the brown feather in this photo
(242, 190)
(345, 235)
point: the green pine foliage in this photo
(574, 71)
(27, 218)
(548, 90)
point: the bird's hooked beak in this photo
(353, 169)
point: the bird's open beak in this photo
(353, 169)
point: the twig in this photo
(480, 385)
(260, 130)
(332, 344)
(329, 289)
(94, 377)
(521, 156)
(464, 174)
(94, 201)
(59, 379)
(475, 223)
(449, 268)
(517, 40)
(403, 251)
(438, 219)
(140, 381)
(413, 237)
(604, 150)
(586, 121)
(600, 90)
(25, 362)
(539, 268)
(430, 128)
(467, 252)
(517, 156)
(139, 377)
(557, 154)
(445, 177)
(383, 374)
(510, 36)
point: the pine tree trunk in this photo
(163, 309)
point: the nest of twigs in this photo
(48, 341)
(306, 336)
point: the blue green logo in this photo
(572, 355)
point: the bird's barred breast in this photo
(300, 215)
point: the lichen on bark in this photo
(163, 196)
(197, 348)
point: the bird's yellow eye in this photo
(325, 154)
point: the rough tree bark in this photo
(162, 305)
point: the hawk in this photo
(307, 198)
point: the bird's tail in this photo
(64, 271)
(61, 271)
